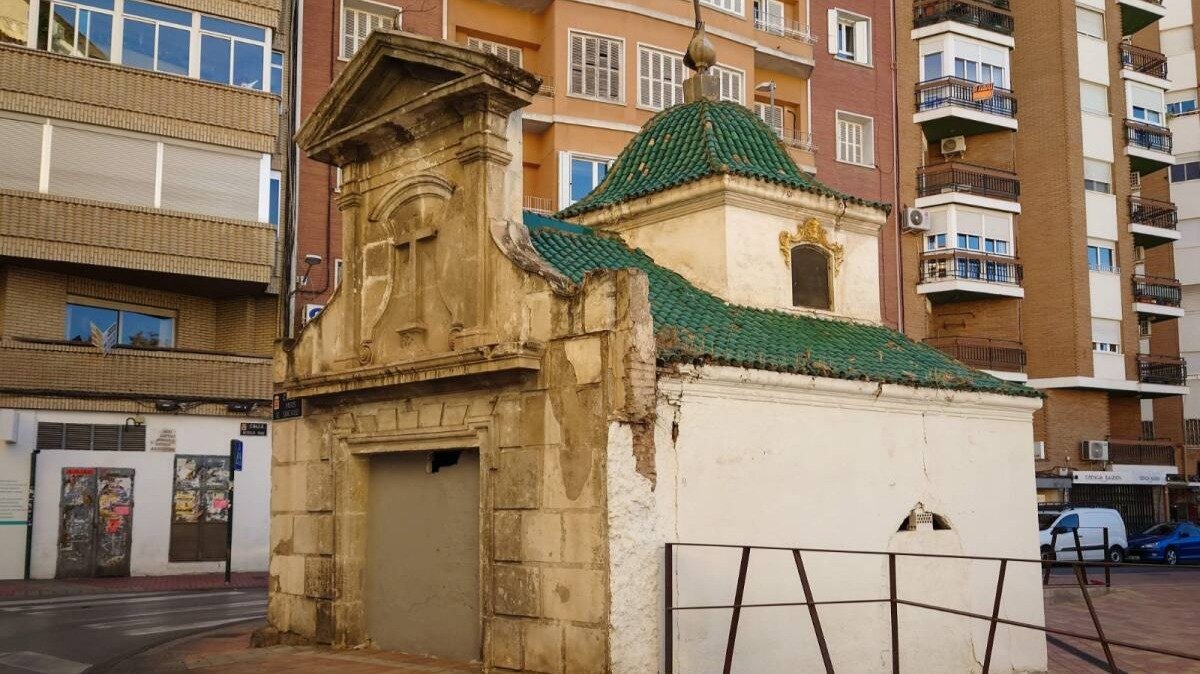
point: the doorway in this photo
(95, 522)
(422, 576)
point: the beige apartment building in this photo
(141, 195)
(1038, 241)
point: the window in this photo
(1106, 347)
(772, 115)
(980, 63)
(581, 174)
(810, 278)
(135, 326)
(1097, 176)
(731, 83)
(83, 28)
(968, 242)
(660, 78)
(1093, 98)
(931, 66)
(1181, 107)
(232, 53)
(277, 72)
(731, 6)
(855, 141)
(1102, 258)
(596, 67)
(91, 437)
(505, 52)
(935, 241)
(359, 20)
(768, 16)
(1186, 171)
(1089, 22)
(849, 36)
(1146, 104)
(274, 198)
(156, 38)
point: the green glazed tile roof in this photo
(692, 325)
(695, 140)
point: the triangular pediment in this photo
(395, 86)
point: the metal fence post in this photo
(737, 609)
(1087, 598)
(1079, 553)
(1107, 568)
(1049, 564)
(987, 658)
(895, 617)
(669, 591)
(812, 612)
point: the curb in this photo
(164, 643)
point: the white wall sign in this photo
(1157, 477)
(13, 500)
(165, 442)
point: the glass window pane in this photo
(1192, 171)
(581, 178)
(233, 28)
(62, 38)
(1177, 173)
(145, 330)
(273, 216)
(214, 59)
(174, 46)
(138, 45)
(932, 66)
(149, 11)
(248, 65)
(80, 319)
(96, 41)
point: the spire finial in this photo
(700, 57)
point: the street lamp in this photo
(769, 87)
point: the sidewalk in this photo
(18, 589)
(228, 651)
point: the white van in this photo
(1090, 523)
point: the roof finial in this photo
(700, 56)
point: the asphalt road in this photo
(67, 635)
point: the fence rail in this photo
(1142, 60)
(1148, 136)
(1165, 370)
(991, 16)
(1153, 213)
(969, 178)
(957, 92)
(777, 25)
(987, 354)
(963, 265)
(1142, 452)
(1167, 292)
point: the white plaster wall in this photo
(1095, 4)
(19, 432)
(152, 491)
(1105, 294)
(1179, 13)
(1093, 59)
(1097, 136)
(1182, 68)
(1187, 250)
(692, 245)
(1185, 132)
(769, 459)
(1108, 365)
(1101, 212)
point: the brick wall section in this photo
(849, 87)
(1068, 418)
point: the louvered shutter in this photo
(771, 114)
(576, 85)
(133, 439)
(862, 41)
(510, 54)
(106, 438)
(22, 162)
(78, 437)
(646, 79)
(202, 181)
(614, 69)
(731, 84)
(348, 32)
(50, 435)
(93, 165)
(832, 20)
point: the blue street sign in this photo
(235, 450)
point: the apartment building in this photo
(1038, 238)
(818, 72)
(141, 198)
(1179, 35)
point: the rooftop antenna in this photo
(700, 57)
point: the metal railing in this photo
(1142, 60)
(802, 140)
(1153, 213)
(1167, 370)
(541, 205)
(967, 178)
(983, 14)
(965, 265)
(983, 353)
(894, 601)
(957, 92)
(1191, 431)
(547, 86)
(777, 25)
(1149, 136)
(1142, 452)
(1159, 290)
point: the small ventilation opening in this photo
(443, 458)
(920, 519)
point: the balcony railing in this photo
(1191, 431)
(1148, 136)
(798, 139)
(1157, 290)
(1152, 213)
(1145, 61)
(985, 354)
(1166, 370)
(1142, 452)
(540, 205)
(777, 25)
(989, 15)
(965, 265)
(957, 92)
(547, 87)
(967, 178)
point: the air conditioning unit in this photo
(915, 220)
(1095, 450)
(954, 145)
(311, 311)
(1139, 254)
(1039, 450)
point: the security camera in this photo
(312, 260)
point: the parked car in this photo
(1090, 523)
(1168, 542)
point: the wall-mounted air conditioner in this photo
(915, 220)
(1095, 450)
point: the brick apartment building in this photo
(1041, 248)
(818, 72)
(141, 196)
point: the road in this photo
(66, 635)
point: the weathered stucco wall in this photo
(746, 457)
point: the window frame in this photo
(739, 9)
(1099, 265)
(830, 288)
(1185, 168)
(867, 149)
(953, 48)
(275, 184)
(1106, 112)
(566, 159)
(646, 84)
(1089, 184)
(494, 48)
(121, 308)
(863, 48)
(620, 70)
(1080, 11)
(380, 9)
(723, 71)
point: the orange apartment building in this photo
(817, 71)
(1038, 238)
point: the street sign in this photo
(284, 408)
(235, 452)
(254, 428)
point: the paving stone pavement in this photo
(1159, 608)
(75, 586)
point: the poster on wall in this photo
(14, 500)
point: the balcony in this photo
(1137, 14)
(40, 367)
(951, 106)
(792, 30)
(782, 45)
(958, 275)
(990, 15)
(1161, 375)
(1005, 359)
(1141, 452)
(1156, 298)
(1153, 222)
(79, 231)
(959, 182)
(1145, 62)
(1148, 146)
(539, 205)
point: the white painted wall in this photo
(152, 491)
(1108, 365)
(751, 457)
(1093, 59)
(17, 435)
(1105, 294)
(1101, 213)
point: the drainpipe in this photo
(897, 207)
(29, 515)
(293, 164)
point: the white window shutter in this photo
(21, 168)
(833, 31)
(645, 80)
(576, 85)
(862, 39)
(564, 179)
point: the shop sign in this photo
(1123, 476)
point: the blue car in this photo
(1169, 542)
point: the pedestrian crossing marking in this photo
(42, 663)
